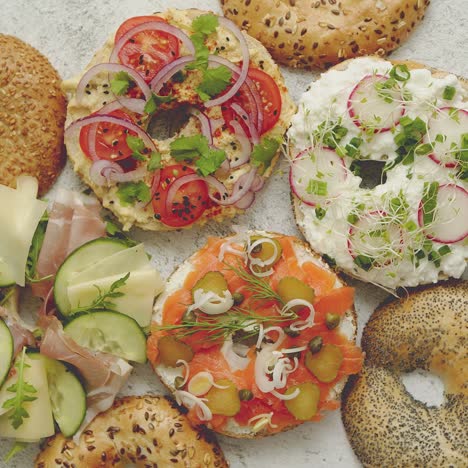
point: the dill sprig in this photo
(221, 326)
(261, 290)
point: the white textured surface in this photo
(69, 32)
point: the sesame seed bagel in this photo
(143, 431)
(98, 94)
(386, 426)
(308, 33)
(32, 114)
(332, 230)
(347, 328)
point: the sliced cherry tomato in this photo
(111, 139)
(271, 101)
(148, 51)
(189, 203)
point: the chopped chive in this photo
(449, 93)
(400, 72)
(429, 201)
(317, 187)
(320, 212)
(444, 250)
(364, 262)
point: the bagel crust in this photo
(309, 33)
(32, 115)
(385, 425)
(147, 431)
(325, 105)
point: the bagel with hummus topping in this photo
(407, 224)
(386, 426)
(309, 33)
(32, 115)
(195, 68)
(143, 430)
(254, 335)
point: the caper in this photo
(291, 333)
(315, 344)
(332, 320)
(246, 337)
(238, 298)
(245, 394)
(178, 382)
(189, 316)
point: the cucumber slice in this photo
(110, 332)
(6, 275)
(67, 395)
(83, 257)
(6, 351)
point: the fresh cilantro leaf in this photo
(205, 24)
(263, 153)
(135, 143)
(201, 53)
(155, 101)
(120, 83)
(23, 392)
(155, 162)
(215, 81)
(131, 192)
(210, 161)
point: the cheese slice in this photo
(139, 292)
(40, 422)
(20, 213)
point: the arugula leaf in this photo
(205, 24)
(34, 250)
(215, 81)
(155, 101)
(120, 83)
(102, 302)
(15, 449)
(263, 153)
(131, 192)
(23, 393)
(113, 230)
(155, 162)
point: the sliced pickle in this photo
(305, 405)
(326, 363)
(290, 288)
(224, 401)
(213, 281)
(265, 251)
(171, 350)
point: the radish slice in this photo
(450, 223)
(317, 175)
(375, 237)
(368, 109)
(450, 123)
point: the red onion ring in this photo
(176, 185)
(246, 147)
(101, 170)
(244, 48)
(112, 68)
(246, 201)
(248, 121)
(77, 124)
(132, 104)
(167, 72)
(204, 122)
(152, 26)
(155, 182)
(245, 180)
(258, 183)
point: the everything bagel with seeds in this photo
(146, 430)
(225, 90)
(386, 426)
(408, 224)
(255, 335)
(309, 34)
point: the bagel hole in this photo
(167, 124)
(371, 172)
(424, 387)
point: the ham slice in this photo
(73, 220)
(104, 374)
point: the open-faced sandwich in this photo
(408, 126)
(178, 119)
(254, 335)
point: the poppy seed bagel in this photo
(385, 424)
(308, 33)
(145, 431)
(32, 115)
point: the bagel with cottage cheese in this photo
(309, 33)
(143, 430)
(179, 100)
(386, 426)
(407, 224)
(254, 335)
(32, 115)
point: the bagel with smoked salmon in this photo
(254, 335)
